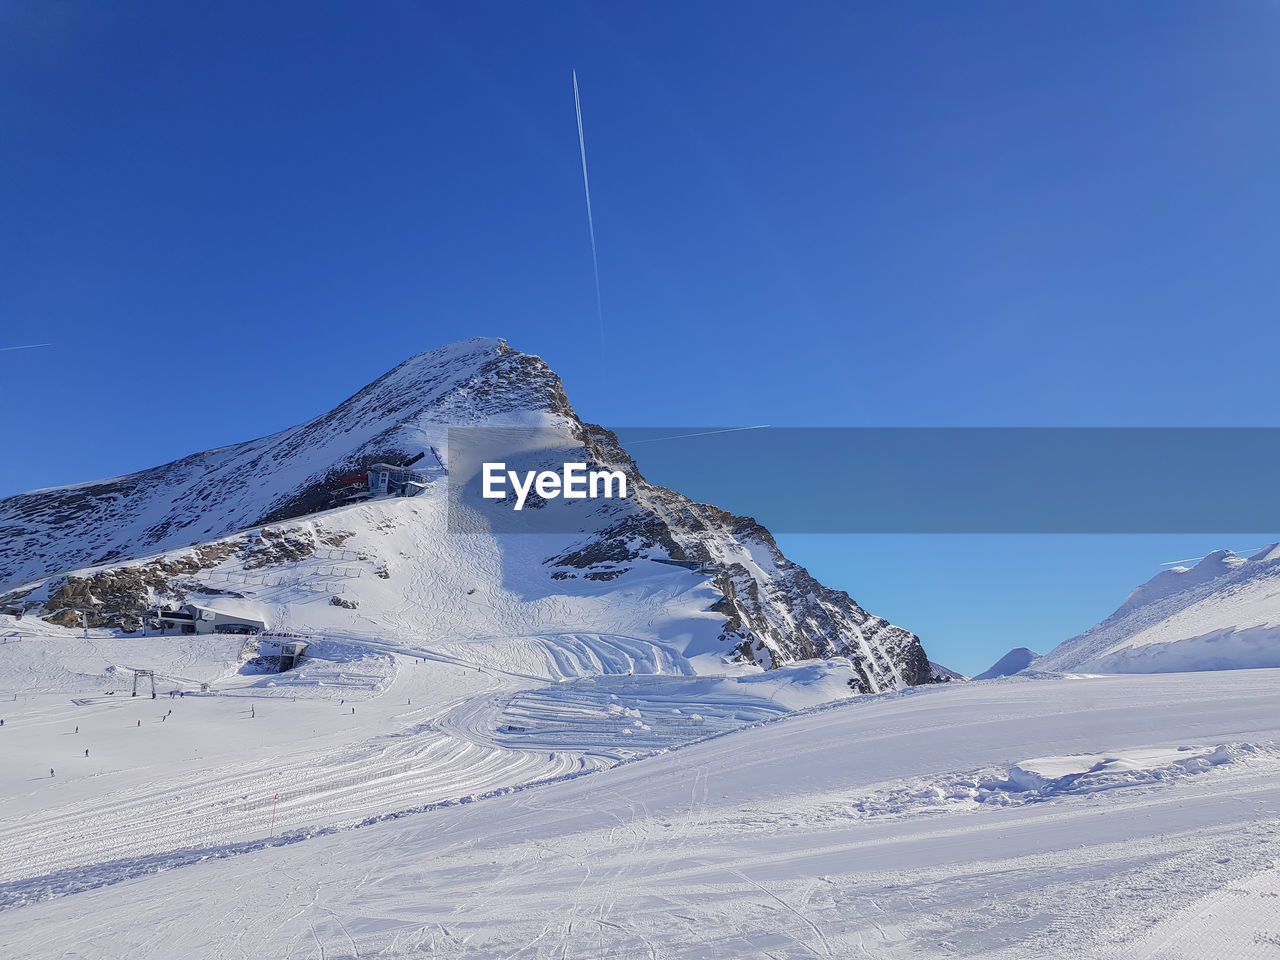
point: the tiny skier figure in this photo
(86, 752)
(51, 771)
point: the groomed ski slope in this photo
(364, 729)
(1123, 816)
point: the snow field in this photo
(363, 729)
(747, 844)
(208, 772)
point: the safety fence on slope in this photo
(338, 577)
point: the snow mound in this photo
(1049, 778)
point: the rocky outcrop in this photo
(277, 478)
(774, 611)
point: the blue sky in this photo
(225, 218)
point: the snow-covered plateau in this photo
(652, 736)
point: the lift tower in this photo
(150, 674)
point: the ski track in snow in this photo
(510, 784)
(1124, 817)
(480, 730)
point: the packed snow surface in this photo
(560, 746)
(435, 804)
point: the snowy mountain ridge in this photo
(281, 476)
(1222, 613)
(212, 513)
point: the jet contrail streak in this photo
(1238, 553)
(591, 224)
(704, 433)
(26, 346)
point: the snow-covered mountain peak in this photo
(474, 381)
(403, 415)
(1223, 612)
(1178, 579)
(267, 495)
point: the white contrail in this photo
(704, 433)
(26, 346)
(591, 223)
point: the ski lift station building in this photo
(193, 618)
(389, 480)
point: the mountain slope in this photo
(943, 674)
(1019, 658)
(241, 508)
(1221, 614)
(210, 494)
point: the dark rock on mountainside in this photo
(774, 611)
(943, 674)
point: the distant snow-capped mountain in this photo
(1019, 658)
(1221, 614)
(279, 502)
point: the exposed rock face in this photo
(943, 674)
(774, 611)
(119, 597)
(280, 477)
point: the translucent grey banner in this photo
(922, 479)
(494, 484)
